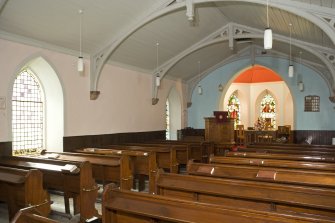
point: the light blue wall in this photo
(204, 105)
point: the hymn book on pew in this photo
(70, 168)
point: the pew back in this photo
(23, 188)
(269, 174)
(124, 206)
(274, 163)
(132, 162)
(73, 178)
(283, 156)
(257, 195)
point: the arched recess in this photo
(250, 96)
(174, 112)
(54, 102)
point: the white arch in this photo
(284, 103)
(175, 112)
(54, 100)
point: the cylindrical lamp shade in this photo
(158, 81)
(199, 90)
(290, 71)
(301, 86)
(80, 65)
(268, 39)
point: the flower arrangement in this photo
(260, 124)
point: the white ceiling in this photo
(55, 24)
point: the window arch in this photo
(268, 111)
(233, 108)
(27, 114)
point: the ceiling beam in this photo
(2, 5)
(235, 31)
(321, 16)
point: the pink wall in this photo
(124, 104)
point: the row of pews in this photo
(250, 184)
(258, 187)
(77, 175)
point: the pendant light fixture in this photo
(268, 30)
(157, 77)
(80, 64)
(190, 10)
(290, 67)
(199, 86)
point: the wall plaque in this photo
(312, 103)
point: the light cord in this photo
(290, 42)
(157, 62)
(267, 13)
(80, 33)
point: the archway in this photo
(251, 86)
(53, 121)
(174, 113)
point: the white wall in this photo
(250, 95)
(175, 113)
(124, 104)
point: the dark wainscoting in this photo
(71, 143)
(320, 137)
(5, 148)
(190, 132)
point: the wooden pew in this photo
(119, 166)
(293, 164)
(105, 169)
(257, 195)
(125, 206)
(166, 156)
(73, 178)
(22, 188)
(31, 215)
(285, 150)
(196, 150)
(282, 156)
(267, 174)
(296, 147)
(179, 150)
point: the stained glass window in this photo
(233, 108)
(27, 114)
(167, 120)
(268, 111)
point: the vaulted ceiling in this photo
(125, 32)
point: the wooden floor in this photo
(57, 210)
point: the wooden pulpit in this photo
(219, 131)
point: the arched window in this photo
(167, 120)
(27, 114)
(233, 108)
(268, 111)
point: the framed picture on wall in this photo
(312, 103)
